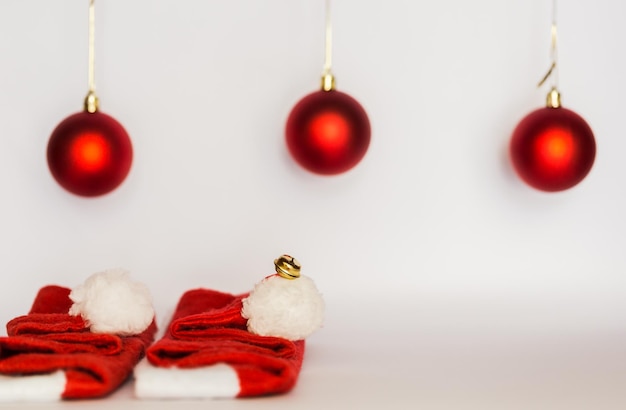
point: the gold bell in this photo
(287, 267)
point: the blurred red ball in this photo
(552, 149)
(328, 132)
(89, 154)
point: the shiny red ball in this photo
(552, 149)
(89, 154)
(328, 132)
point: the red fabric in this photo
(207, 328)
(49, 339)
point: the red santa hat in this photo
(80, 343)
(220, 345)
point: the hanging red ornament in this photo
(552, 148)
(89, 153)
(328, 132)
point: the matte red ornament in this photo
(89, 154)
(552, 149)
(328, 132)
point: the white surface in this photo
(506, 296)
(444, 354)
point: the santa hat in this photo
(220, 345)
(80, 343)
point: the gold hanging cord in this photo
(328, 80)
(91, 101)
(553, 100)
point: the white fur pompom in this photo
(291, 309)
(110, 302)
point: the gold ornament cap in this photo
(553, 99)
(287, 267)
(328, 82)
(91, 102)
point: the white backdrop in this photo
(434, 215)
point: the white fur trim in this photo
(111, 303)
(216, 381)
(35, 388)
(288, 308)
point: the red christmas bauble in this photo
(328, 132)
(552, 149)
(89, 154)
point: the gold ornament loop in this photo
(287, 267)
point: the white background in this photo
(449, 283)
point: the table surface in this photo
(404, 354)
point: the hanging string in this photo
(553, 49)
(92, 58)
(328, 80)
(553, 100)
(554, 69)
(91, 101)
